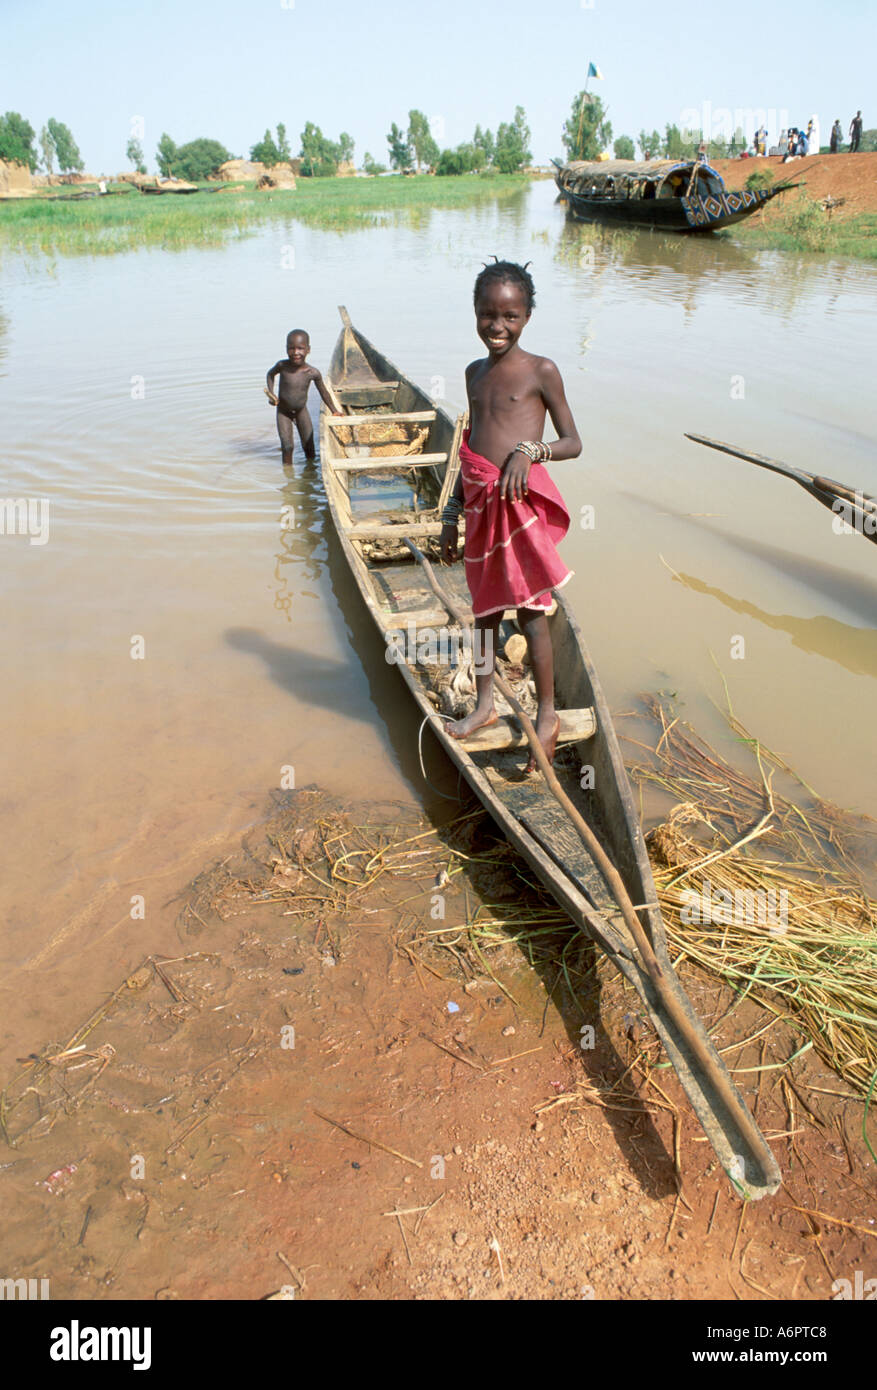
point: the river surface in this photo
(171, 647)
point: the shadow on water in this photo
(854, 648)
(858, 593)
(644, 249)
(693, 264)
(838, 428)
(396, 711)
(307, 545)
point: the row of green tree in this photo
(416, 148)
(587, 133)
(199, 159)
(18, 144)
(55, 147)
(319, 155)
(507, 151)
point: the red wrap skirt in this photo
(511, 547)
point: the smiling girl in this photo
(515, 515)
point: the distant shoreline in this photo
(53, 222)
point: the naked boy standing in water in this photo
(292, 395)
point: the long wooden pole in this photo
(582, 113)
(691, 1037)
(825, 490)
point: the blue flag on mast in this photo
(594, 71)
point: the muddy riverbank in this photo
(315, 1097)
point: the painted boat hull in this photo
(695, 214)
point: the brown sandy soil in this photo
(852, 177)
(524, 1168)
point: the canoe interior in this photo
(403, 607)
(367, 381)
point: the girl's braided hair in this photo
(507, 272)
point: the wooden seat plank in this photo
(391, 418)
(371, 531)
(375, 463)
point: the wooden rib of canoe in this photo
(403, 606)
(857, 509)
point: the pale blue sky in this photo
(228, 68)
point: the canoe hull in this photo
(529, 817)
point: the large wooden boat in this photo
(672, 195)
(386, 465)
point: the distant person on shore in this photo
(855, 132)
(292, 395)
(836, 137)
(515, 515)
(803, 144)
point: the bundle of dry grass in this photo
(310, 857)
(765, 889)
(394, 437)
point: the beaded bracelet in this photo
(537, 451)
(451, 512)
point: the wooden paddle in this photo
(825, 490)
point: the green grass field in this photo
(108, 225)
(126, 222)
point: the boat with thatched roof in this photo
(673, 195)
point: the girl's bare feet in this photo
(547, 729)
(478, 719)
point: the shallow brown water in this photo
(121, 776)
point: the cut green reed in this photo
(216, 215)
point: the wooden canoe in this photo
(856, 508)
(159, 188)
(407, 616)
